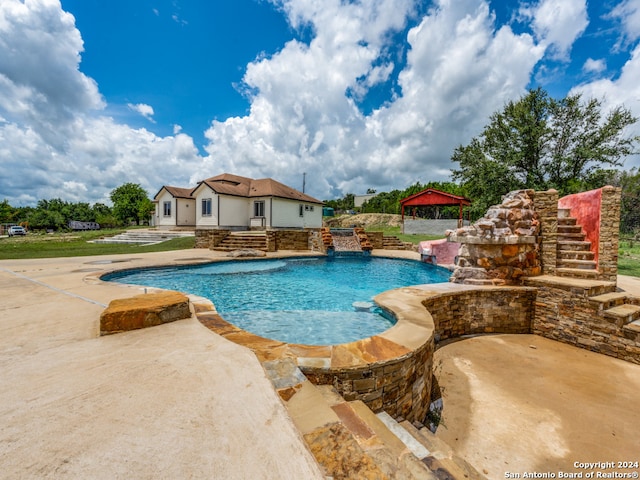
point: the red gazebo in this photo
(433, 197)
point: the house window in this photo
(166, 209)
(258, 209)
(302, 210)
(206, 207)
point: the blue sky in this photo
(358, 95)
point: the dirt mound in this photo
(365, 220)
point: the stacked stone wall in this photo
(609, 234)
(401, 387)
(292, 239)
(489, 310)
(546, 205)
(568, 315)
(209, 238)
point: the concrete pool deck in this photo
(173, 401)
(178, 401)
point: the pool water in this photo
(312, 301)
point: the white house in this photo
(234, 202)
(175, 207)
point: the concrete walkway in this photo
(168, 402)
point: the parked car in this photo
(16, 230)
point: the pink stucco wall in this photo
(585, 207)
(444, 251)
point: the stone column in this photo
(609, 233)
(546, 206)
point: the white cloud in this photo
(627, 13)
(145, 110)
(460, 69)
(594, 66)
(621, 91)
(557, 24)
(55, 141)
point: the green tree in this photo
(629, 182)
(7, 212)
(129, 201)
(539, 142)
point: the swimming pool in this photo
(312, 301)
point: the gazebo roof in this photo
(431, 196)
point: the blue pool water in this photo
(313, 301)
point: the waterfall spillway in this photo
(345, 240)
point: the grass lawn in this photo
(629, 258)
(50, 245)
(396, 232)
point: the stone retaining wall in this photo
(490, 310)
(566, 312)
(293, 240)
(400, 386)
(208, 238)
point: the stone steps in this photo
(441, 457)
(623, 314)
(391, 242)
(619, 308)
(145, 237)
(577, 273)
(575, 246)
(632, 331)
(577, 264)
(573, 252)
(243, 241)
(571, 237)
(347, 438)
(569, 229)
(575, 255)
(609, 300)
(564, 213)
(567, 221)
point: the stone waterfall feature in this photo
(501, 247)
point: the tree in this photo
(629, 182)
(539, 142)
(7, 212)
(129, 203)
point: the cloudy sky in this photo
(356, 94)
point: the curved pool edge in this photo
(391, 371)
